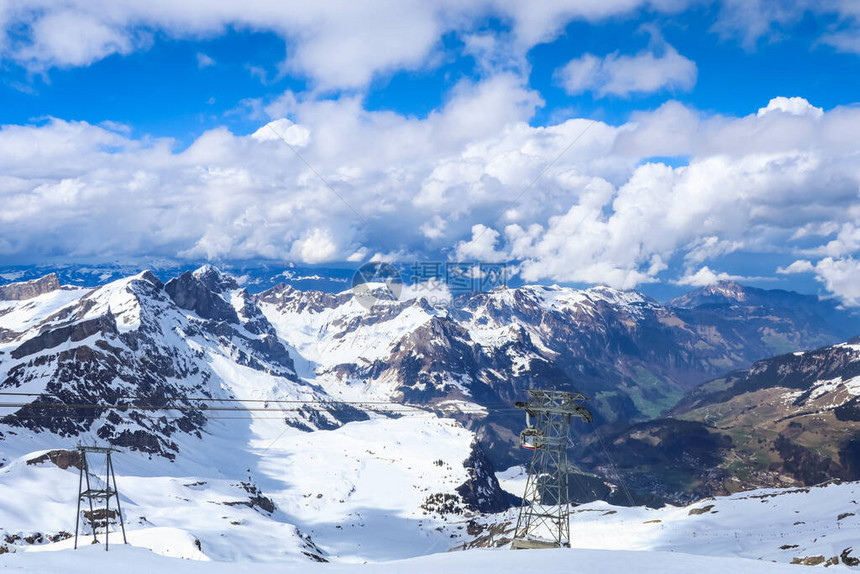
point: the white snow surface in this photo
(513, 480)
(20, 316)
(774, 525)
(771, 524)
(130, 560)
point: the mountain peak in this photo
(201, 294)
(726, 288)
(214, 279)
(720, 293)
(150, 277)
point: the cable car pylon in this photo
(104, 490)
(544, 518)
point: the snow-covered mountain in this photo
(139, 347)
(201, 339)
(634, 357)
(762, 531)
(300, 425)
(192, 382)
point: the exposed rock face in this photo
(256, 499)
(75, 332)
(189, 292)
(29, 289)
(214, 280)
(61, 458)
(482, 491)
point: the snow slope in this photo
(371, 490)
(139, 561)
(779, 525)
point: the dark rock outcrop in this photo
(29, 289)
(188, 292)
(482, 491)
(75, 332)
(60, 458)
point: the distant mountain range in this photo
(113, 360)
(635, 357)
(256, 276)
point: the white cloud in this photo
(338, 44)
(842, 277)
(482, 246)
(316, 247)
(839, 276)
(799, 266)
(204, 61)
(621, 75)
(69, 37)
(455, 182)
(283, 130)
(705, 276)
(848, 41)
(345, 44)
(750, 21)
(536, 22)
(710, 247)
(794, 106)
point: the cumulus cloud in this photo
(482, 246)
(456, 183)
(343, 45)
(794, 106)
(70, 37)
(839, 276)
(339, 44)
(621, 75)
(285, 130)
(705, 276)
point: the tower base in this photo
(528, 543)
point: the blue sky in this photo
(641, 144)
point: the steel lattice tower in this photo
(544, 519)
(104, 493)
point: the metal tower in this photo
(544, 520)
(103, 491)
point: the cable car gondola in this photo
(532, 438)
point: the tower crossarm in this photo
(551, 402)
